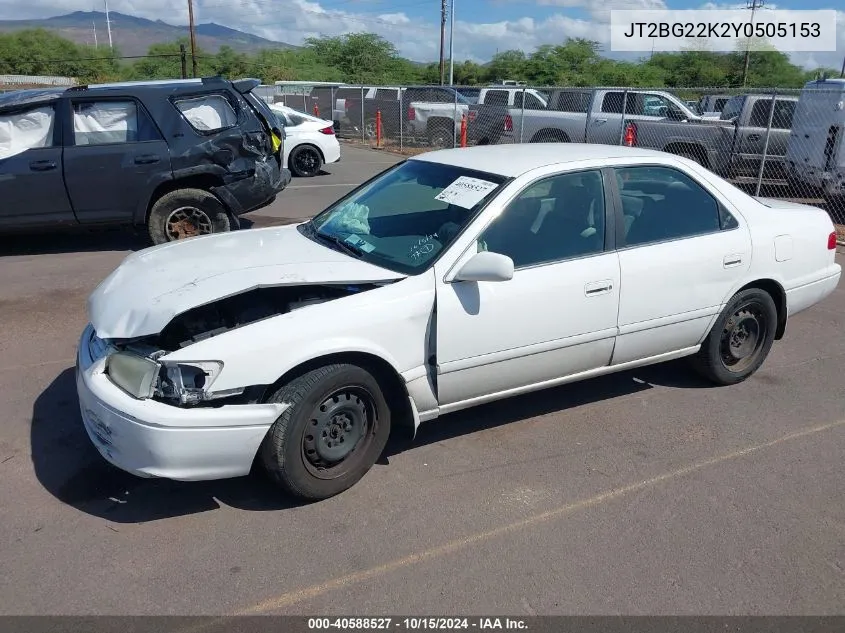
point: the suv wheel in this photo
(186, 213)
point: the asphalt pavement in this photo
(647, 492)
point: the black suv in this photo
(182, 157)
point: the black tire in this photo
(691, 156)
(740, 339)
(441, 134)
(186, 213)
(329, 405)
(550, 136)
(370, 129)
(305, 161)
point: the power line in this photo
(753, 5)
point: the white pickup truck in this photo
(590, 115)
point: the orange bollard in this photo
(316, 110)
(378, 128)
(464, 130)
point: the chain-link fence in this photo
(777, 143)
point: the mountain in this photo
(133, 35)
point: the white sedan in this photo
(452, 279)
(310, 142)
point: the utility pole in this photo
(452, 45)
(193, 37)
(842, 72)
(753, 5)
(94, 24)
(108, 22)
(442, 38)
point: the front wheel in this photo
(186, 213)
(740, 339)
(334, 430)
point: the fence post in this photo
(455, 120)
(401, 120)
(766, 143)
(624, 112)
(363, 126)
(522, 117)
(333, 104)
(183, 56)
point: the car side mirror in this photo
(486, 266)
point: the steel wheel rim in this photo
(370, 129)
(186, 222)
(306, 161)
(743, 337)
(340, 431)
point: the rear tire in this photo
(330, 436)
(740, 339)
(305, 161)
(550, 136)
(693, 157)
(186, 213)
(440, 134)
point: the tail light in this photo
(508, 123)
(630, 135)
(471, 116)
(831, 241)
(412, 114)
(328, 130)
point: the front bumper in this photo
(152, 439)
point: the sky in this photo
(482, 27)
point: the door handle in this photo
(598, 288)
(599, 120)
(42, 165)
(753, 137)
(731, 261)
(146, 159)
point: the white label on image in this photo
(465, 192)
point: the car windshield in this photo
(407, 216)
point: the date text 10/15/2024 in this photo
(415, 624)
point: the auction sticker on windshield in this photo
(465, 192)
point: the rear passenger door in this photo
(115, 157)
(32, 189)
(681, 253)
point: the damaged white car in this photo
(452, 279)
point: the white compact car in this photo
(310, 142)
(452, 279)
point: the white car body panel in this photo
(308, 133)
(452, 344)
(154, 285)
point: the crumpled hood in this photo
(152, 286)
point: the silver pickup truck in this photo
(594, 115)
(732, 145)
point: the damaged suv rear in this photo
(181, 158)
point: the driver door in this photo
(555, 317)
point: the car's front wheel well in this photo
(393, 385)
(200, 181)
(778, 295)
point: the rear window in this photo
(208, 113)
(732, 108)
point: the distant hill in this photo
(133, 36)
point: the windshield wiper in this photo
(341, 243)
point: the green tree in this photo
(40, 52)
(361, 57)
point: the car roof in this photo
(31, 96)
(512, 160)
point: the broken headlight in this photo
(190, 382)
(134, 374)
